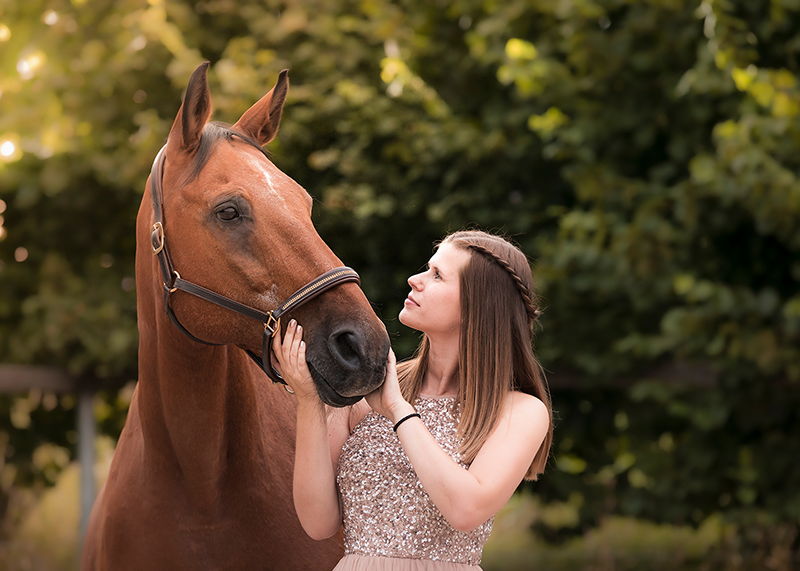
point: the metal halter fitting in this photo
(271, 319)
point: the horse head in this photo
(241, 228)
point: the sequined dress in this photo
(390, 522)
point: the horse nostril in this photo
(346, 349)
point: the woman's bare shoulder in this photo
(525, 405)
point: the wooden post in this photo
(86, 437)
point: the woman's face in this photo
(433, 306)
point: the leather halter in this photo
(271, 319)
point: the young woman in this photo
(417, 470)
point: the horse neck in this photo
(199, 409)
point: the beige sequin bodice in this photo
(385, 510)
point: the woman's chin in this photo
(409, 321)
(405, 317)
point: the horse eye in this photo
(227, 214)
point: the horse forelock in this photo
(214, 133)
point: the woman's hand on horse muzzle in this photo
(291, 355)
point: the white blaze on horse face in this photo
(259, 166)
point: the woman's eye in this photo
(227, 214)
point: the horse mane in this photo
(213, 133)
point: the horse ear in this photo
(194, 112)
(261, 121)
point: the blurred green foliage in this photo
(41, 527)
(619, 543)
(43, 535)
(643, 153)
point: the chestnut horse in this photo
(201, 478)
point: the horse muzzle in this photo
(347, 363)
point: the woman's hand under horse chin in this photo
(291, 355)
(387, 400)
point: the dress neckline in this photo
(437, 397)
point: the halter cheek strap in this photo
(173, 282)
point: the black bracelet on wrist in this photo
(405, 418)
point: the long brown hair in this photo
(498, 313)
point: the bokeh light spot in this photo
(28, 65)
(50, 17)
(7, 148)
(138, 43)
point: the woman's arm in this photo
(320, 436)
(467, 498)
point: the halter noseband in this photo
(272, 319)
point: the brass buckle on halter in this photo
(171, 288)
(158, 227)
(272, 325)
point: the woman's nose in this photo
(415, 281)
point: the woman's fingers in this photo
(288, 337)
(391, 369)
(388, 399)
(291, 354)
(287, 353)
(391, 364)
(297, 340)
